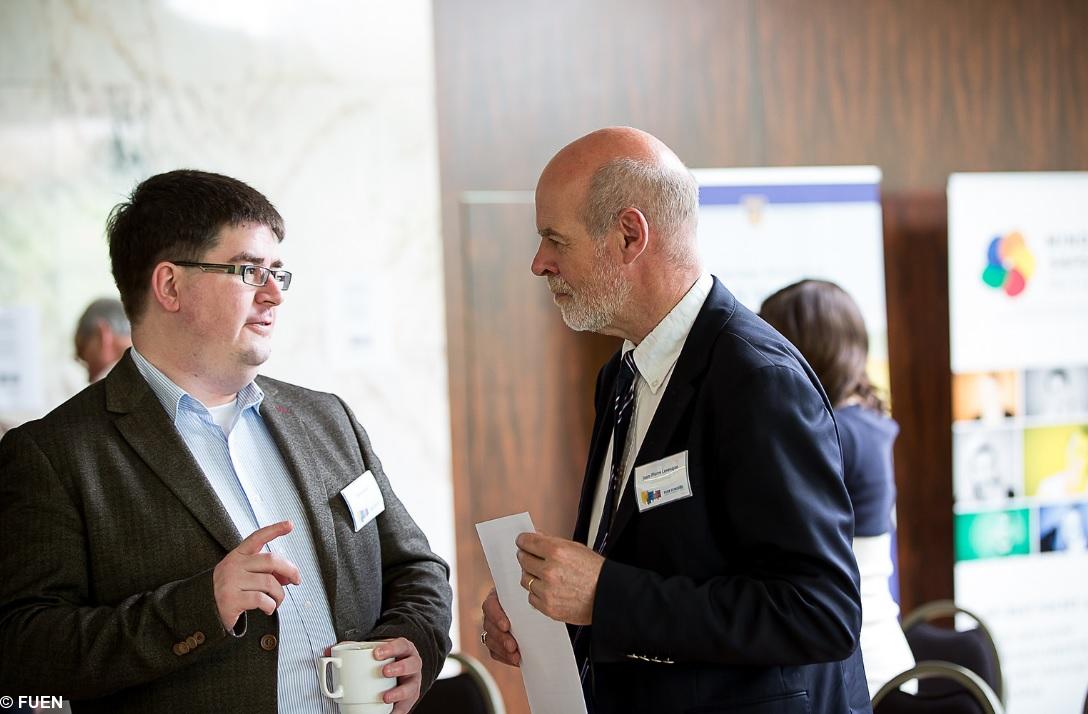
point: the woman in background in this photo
(826, 326)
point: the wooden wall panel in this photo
(529, 391)
(919, 88)
(924, 89)
(916, 274)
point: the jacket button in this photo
(191, 641)
(181, 648)
(268, 643)
(199, 637)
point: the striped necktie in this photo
(625, 407)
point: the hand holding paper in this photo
(544, 651)
(497, 638)
(563, 575)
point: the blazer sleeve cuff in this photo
(195, 610)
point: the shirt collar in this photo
(658, 352)
(172, 397)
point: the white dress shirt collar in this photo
(658, 352)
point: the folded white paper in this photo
(547, 659)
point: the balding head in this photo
(102, 335)
(615, 168)
(585, 155)
(616, 212)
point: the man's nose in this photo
(543, 265)
(271, 292)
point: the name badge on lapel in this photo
(662, 481)
(364, 500)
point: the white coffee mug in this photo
(359, 680)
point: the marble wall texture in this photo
(326, 107)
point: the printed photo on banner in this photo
(992, 534)
(1056, 391)
(985, 468)
(1056, 461)
(984, 396)
(1064, 528)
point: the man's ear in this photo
(635, 230)
(165, 288)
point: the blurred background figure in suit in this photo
(102, 336)
(825, 324)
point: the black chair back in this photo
(973, 649)
(963, 692)
(472, 691)
(967, 648)
(453, 695)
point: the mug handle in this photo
(322, 676)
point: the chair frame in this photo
(479, 674)
(947, 608)
(931, 669)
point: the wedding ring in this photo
(530, 587)
(483, 638)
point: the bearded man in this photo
(710, 567)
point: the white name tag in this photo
(662, 482)
(364, 500)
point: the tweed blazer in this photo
(111, 532)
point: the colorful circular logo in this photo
(1009, 264)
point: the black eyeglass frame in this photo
(254, 273)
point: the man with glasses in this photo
(185, 533)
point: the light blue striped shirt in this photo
(245, 468)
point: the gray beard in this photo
(593, 309)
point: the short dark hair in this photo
(177, 216)
(825, 324)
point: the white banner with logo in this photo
(1018, 301)
(761, 229)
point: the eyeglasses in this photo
(255, 275)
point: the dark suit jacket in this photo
(746, 593)
(110, 533)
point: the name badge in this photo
(364, 500)
(662, 482)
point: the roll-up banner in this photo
(761, 229)
(1018, 301)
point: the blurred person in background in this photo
(825, 324)
(102, 335)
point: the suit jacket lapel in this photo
(292, 438)
(149, 430)
(690, 366)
